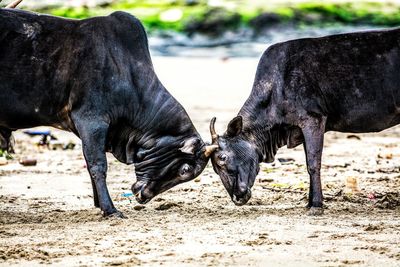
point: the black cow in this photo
(94, 77)
(302, 89)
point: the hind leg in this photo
(6, 140)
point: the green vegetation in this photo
(5, 154)
(198, 16)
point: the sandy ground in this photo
(47, 214)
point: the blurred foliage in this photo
(5, 154)
(199, 16)
(355, 13)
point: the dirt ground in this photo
(47, 214)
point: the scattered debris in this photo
(285, 160)
(283, 189)
(353, 136)
(55, 144)
(28, 162)
(138, 207)
(166, 206)
(389, 170)
(268, 170)
(371, 227)
(352, 184)
(127, 194)
(70, 146)
(389, 200)
(266, 180)
(46, 136)
(386, 156)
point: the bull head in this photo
(175, 166)
(236, 160)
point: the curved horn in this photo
(214, 135)
(209, 150)
(14, 4)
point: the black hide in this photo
(95, 77)
(303, 88)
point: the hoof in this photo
(315, 211)
(116, 214)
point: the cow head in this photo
(169, 162)
(236, 160)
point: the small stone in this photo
(138, 207)
(198, 179)
(28, 162)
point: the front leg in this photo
(313, 132)
(93, 134)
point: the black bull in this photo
(302, 89)
(94, 77)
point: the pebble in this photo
(138, 207)
(28, 162)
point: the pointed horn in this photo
(14, 4)
(214, 135)
(209, 150)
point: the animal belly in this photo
(17, 114)
(362, 122)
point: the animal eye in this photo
(185, 169)
(222, 157)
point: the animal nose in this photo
(137, 187)
(241, 190)
(137, 190)
(241, 195)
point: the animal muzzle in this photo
(139, 190)
(241, 196)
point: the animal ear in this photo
(235, 126)
(189, 146)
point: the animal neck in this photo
(157, 111)
(267, 139)
(155, 120)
